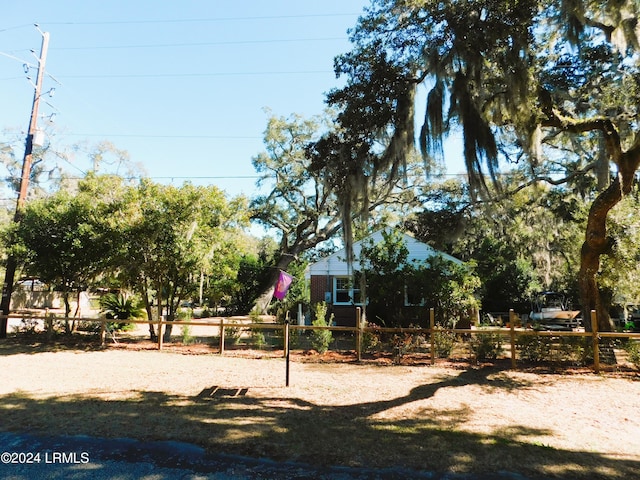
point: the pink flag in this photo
(284, 281)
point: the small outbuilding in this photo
(331, 279)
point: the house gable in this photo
(336, 264)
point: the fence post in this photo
(596, 344)
(358, 334)
(221, 336)
(512, 326)
(432, 326)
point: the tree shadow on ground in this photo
(227, 418)
(32, 344)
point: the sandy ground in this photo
(570, 413)
(471, 419)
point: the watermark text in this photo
(52, 457)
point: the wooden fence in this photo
(221, 324)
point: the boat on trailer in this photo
(552, 311)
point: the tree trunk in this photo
(261, 305)
(201, 289)
(148, 308)
(67, 312)
(173, 301)
(596, 244)
(168, 328)
(596, 240)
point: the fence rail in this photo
(222, 323)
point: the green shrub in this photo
(185, 334)
(321, 339)
(577, 350)
(371, 341)
(633, 351)
(120, 307)
(257, 334)
(443, 343)
(233, 332)
(486, 346)
(533, 348)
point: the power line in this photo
(135, 135)
(213, 177)
(171, 177)
(15, 27)
(193, 75)
(202, 44)
(202, 20)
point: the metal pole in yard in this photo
(287, 351)
(512, 326)
(358, 334)
(596, 346)
(432, 326)
(222, 336)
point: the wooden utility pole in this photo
(10, 271)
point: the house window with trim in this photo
(413, 296)
(344, 292)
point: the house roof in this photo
(336, 264)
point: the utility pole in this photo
(10, 272)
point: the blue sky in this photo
(181, 86)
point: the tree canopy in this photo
(160, 241)
(532, 82)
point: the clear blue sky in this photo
(180, 85)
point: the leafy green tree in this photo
(620, 276)
(508, 76)
(443, 214)
(297, 207)
(253, 272)
(386, 276)
(171, 237)
(451, 289)
(301, 206)
(63, 241)
(391, 280)
(525, 244)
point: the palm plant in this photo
(120, 307)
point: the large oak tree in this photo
(540, 82)
(302, 203)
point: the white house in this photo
(331, 278)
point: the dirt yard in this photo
(442, 418)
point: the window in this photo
(413, 296)
(344, 292)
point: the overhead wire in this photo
(186, 75)
(142, 135)
(201, 20)
(200, 44)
